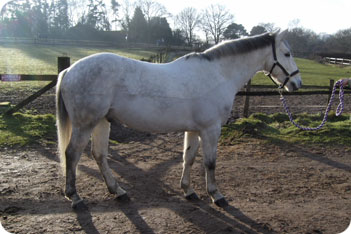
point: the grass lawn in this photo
(26, 129)
(22, 86)
(42, 59)
(277, 127)
(312, 73)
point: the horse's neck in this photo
(241, 68)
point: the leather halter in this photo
(276, 63)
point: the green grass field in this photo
(25, 129)
(312, 73)
(277, 128)
(42, 59)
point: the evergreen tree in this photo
(235, 31)
(159, 30)
(138, 27)
(60, 20)
(40, 26)
(256, 30)
(178, 38)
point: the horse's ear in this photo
(280, 35)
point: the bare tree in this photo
(152, 9)
(187, 20)
(215, 20)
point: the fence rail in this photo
(340, 61)
(23, 77)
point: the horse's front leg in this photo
(191, 145)
(209, 140)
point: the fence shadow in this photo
(284, 145)
(324, 160)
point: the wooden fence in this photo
(340, 61)
(305, 90)
(64, 62)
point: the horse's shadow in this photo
(123, 134)
(85, 220)
(203, 216)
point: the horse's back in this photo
(96, 68)
(182, 80)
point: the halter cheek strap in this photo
(276, 63)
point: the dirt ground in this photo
(271, 188)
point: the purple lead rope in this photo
(339, 109)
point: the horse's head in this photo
(281, 66)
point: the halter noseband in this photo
(276, 63)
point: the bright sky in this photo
(321, 16)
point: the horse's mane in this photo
(237, 46)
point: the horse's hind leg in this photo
(99, 149)
(191, 146)
(79, 139)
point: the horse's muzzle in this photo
(296, 84)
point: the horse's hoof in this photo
(78, 205)
(123, 198)
(192, 197)
(221, 202)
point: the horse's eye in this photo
(287, 54)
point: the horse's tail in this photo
(63, 123)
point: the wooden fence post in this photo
(331, 85)
(247, 100)
(62, 64)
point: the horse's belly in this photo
(153, 114)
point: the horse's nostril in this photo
(294, 86)
(299, 82)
